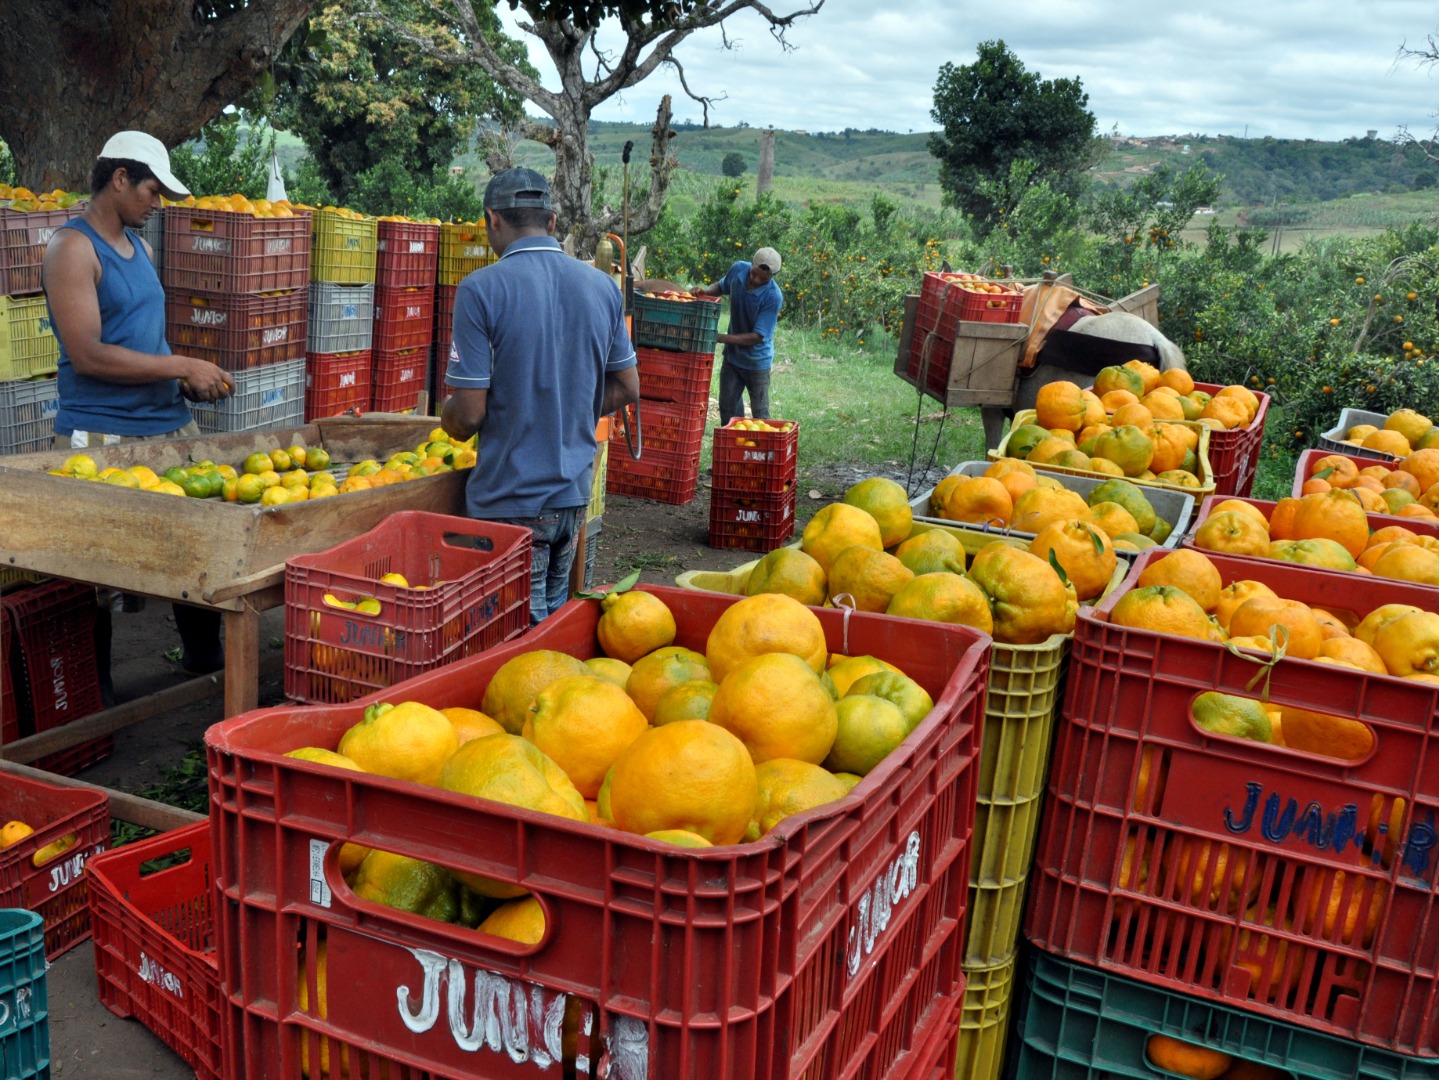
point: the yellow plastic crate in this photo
(984, 1021)
(464, 248)
(28, 346)
(343, 249)
(597, 482)
(1206, 473)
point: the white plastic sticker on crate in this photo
(877, 904)
(510, 1016)
(319, 887)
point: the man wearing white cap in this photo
(118, 380)
(754, 305)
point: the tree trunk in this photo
(77, 72)
(764, 179)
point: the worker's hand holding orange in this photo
(204, 381)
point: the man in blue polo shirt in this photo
(539, 354)
(754, 304)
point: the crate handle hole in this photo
(161, 863)
(474, 543)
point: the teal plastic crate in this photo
(1078, 1023)
(24, 1009)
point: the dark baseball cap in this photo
(516, 188)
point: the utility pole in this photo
(765, 172)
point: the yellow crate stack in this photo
(344, 248)
(464, 248)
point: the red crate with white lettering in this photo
(150, 905)
(675, 376)
(237, 331)
(397, 379)
(336, 383)
(24, 235)
(407, 254)
(56, 889)
(671, 429)
(57, 676)
(831, 947)
(444, 323)
(469, 590)
(751, 522)
(224, 251)
(656, 476)
(404, 318)
(749, 460)
(1279, 881)
(9, 709)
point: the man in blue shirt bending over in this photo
(754, 304)
(539, 354)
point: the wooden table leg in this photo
(242, 660)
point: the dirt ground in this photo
(90, 1043)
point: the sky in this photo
(1324, 69)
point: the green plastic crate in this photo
(343, 249)
(1078, 1023)
(28, 345)
(24, 1008)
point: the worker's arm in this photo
(71, 274)
(712, 289)
(743, 340)
(464, 412)
(621, 388)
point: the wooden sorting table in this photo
(205, 552)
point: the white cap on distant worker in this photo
(148, 151)
(768, 258)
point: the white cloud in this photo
(1326, 69)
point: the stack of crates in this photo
(29, 350)
(947, 300)
(24, 1003)
(236, 295)
(339, 370)
(464, 248)
(675, 344)
(752, 498)
(1272, 906)
(406, 266)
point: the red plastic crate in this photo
(23, 239)
(944, 304)
(155, 941)
(336, 383)
(675, 376)
(444, 319)
(479, 596)
(669, 428)
(235, 330)
(407, 254)
(58, 679)
(1287, 823)
(829, 948)
(751, 522)
(397, 378)
(56, 890)
(658, 477)
(755, 461)
(221, 251)
(1307, 458)
(1234, 454)
(9, 708)
(404, 318)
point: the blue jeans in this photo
(734, 381)
(552, 553)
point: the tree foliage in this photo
(234, 156)
(994, 112)
(733, 164)
(361, 96)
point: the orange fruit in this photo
(852, 668)
(607, 667)
(1112, 518)
(943, 597)
(1171, 446)
(1387, 441)
(789, 571)
(1233, 533)
(513, 687)
(1242, 507)
(767, 623)
(777, 706)
(1366, 898)
(1163, 609)
(1331, 736)
(1370, 499)
(632, 624)
(1365, 629)
(1423, 465)
(1060, 405)
(1390, 533)
(1409, 423)
(1257, 615)
(867, 578)
(1189, 570)
(869, 728)
(1315, 552)
(1027, 599)
(1115, 399)
(1186, 1058)
(1178, 379)
(1234, 594)
(1407, 562)
(1402, 479)
(932, 550)
(660, 671)
(1127, 446)
(1147, 372)
(980, 499)
(12, 832)
(582, 723)
(1315, 486)
(1137, 415)
(1332, 625)
(1163, 406)
(687, 701)
(1094, 411)
(1119, 378)
(1351, 650)
(521, 920)
(679, 837)
(1046, 452)
(787, 787)
(1043, 506)
(1229, 411)
(887, 502)
(408, 742)
(1084, 551)
(1244, 396)
(1395, 498)
(470, 724)
(836, 527)
(690, 775)
(1342, 470)
(1409, 644)
(1334, 515)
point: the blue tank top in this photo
(132, 314)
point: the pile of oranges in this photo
(1406, 488)
(25, 201)
(1404, 431)
(239, 204)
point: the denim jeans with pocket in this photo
(552, 538)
